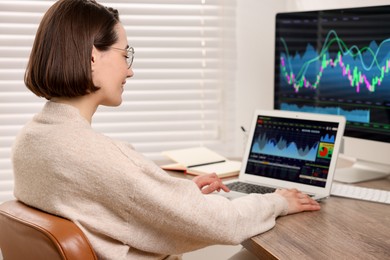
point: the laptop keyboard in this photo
(249, 188)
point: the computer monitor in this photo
(338, 62)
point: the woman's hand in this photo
(209, 183)
(298, 201)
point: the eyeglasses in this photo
(129, 55)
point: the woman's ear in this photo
(94, 56)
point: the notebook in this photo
(290, 150)
(201, 160)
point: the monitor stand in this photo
(362, 171)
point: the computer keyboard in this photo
(360, 193)
(249, 188)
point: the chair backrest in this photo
(28, 233)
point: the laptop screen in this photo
(294, 150)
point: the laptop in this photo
(289, 150)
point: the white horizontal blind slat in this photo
(182, 90)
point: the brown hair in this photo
(60, 60)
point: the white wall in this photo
(255, 51)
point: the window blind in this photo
(181, 94)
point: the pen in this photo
(244, 131)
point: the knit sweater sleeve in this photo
(175, 217)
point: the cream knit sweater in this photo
(127, 206)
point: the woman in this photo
(126, 205)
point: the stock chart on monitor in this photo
(336, 62)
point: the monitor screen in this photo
(291, 149)
(337, 62)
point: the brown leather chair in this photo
(28, 233)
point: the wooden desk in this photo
(342, 229)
